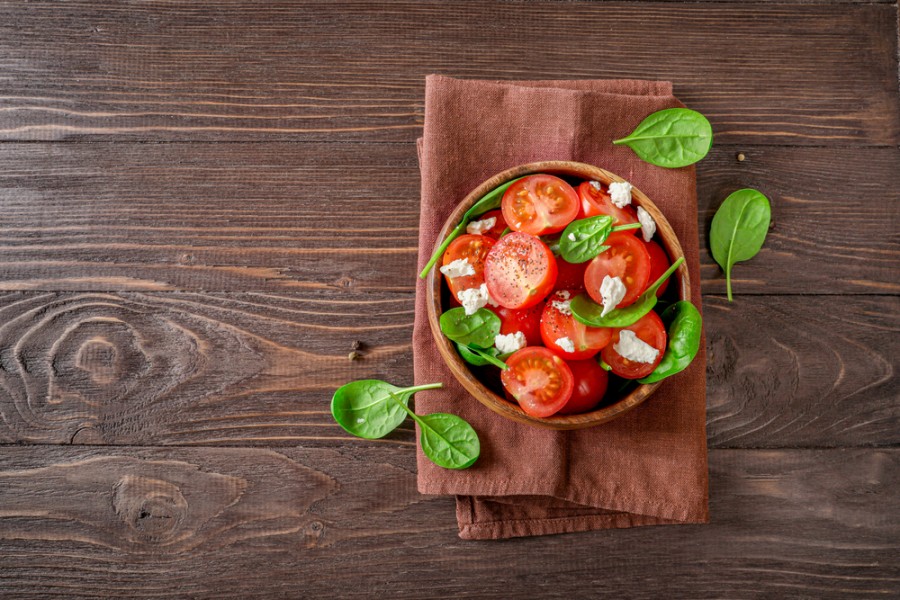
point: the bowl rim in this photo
(460, 369)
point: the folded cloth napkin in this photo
(647, 467)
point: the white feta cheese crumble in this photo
(360, 420)
(474, 298)
(620, 193)
(634, 348)
(563, 306)
(612, 290)
(648, 225)
(479, 227)
(596, 185)
(572, 237)
(509, 343)
(564, 294)
(458, 268)
(565, 344)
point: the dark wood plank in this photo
(171, 368)
(353, 70)
(237, 523)
(283, 217)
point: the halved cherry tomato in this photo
(570, 276)
(596, 202)
(539, 204)
(473, 248)
(556, 324)
(626, 258)
(648, 328)
(590, 385)
(540, 381)
(659, 262)
(519, 270)
(499, 223)
(526, 320)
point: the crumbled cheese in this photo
(360, 420)
(565, 344)
(596, 185)
(634, 348)
(474, 298)
(458, 268)
(612, 290)
(648, 225)
(479, 227)
(620, 193)
(564, 294)
(572, 237)
(563, 306)
(509, 343)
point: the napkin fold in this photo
(647, 467)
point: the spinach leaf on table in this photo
(365, 408)
(739, 229)
(671, 138)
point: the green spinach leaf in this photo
(674, 137)
(684, 325)
(475, 330)
(739, 229)
(480, 358)
(582, 240)
(447, 440)
(365, 408)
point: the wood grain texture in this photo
(280, 217)
(227, 369)
(353, 70)
(303, 522)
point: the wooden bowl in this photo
(460, 368)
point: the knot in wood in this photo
(152, 509)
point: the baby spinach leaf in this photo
(365, 408)
(589, 312)
(582, 240)
(684, 325)
(674, 137)
(475, 330)
(447, 440)
(489, 201)
(480, 358)
(739, 229)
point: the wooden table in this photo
(205, 205)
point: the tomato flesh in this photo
(539, 204)
(570, 276)
(556, 324)
(596, 202)
(499, 224)
(626, 258)
(590, 386)
(474, 248)
(648, 328)
(519, 271)
(526, 320)
(659, 263)
(540, 381)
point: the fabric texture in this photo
(647, 467)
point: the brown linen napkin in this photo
(645, 468)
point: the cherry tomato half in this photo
(648, 328)
(540, 381)
(590, 385)
(659, 262)
(473, 248)
(557, 323)
(519, 270)
(539, 204)
(570, 276)
(499, 224)
(626, 258)
(526, 320)
(596, 202)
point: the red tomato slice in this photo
(499, 224)
(539, 204)
(628, 259)
(519, 270)
(648, 328)
(473, 248)
(556, 324)
(596, 202)
(659, 262)
(590, 385)
(540, 381)
(570, 276)
(526, 320)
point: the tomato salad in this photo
(558, 288)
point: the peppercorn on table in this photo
(209, 220)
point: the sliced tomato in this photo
(648, 328)
(590, 386)
(539, 204)
(540, 381)
(557, 322)
(519, 270)
(659, 262)
(474, 248)
(570, 276)
(499, 224)
(526, 320)
(596, 202)
(626, 258)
